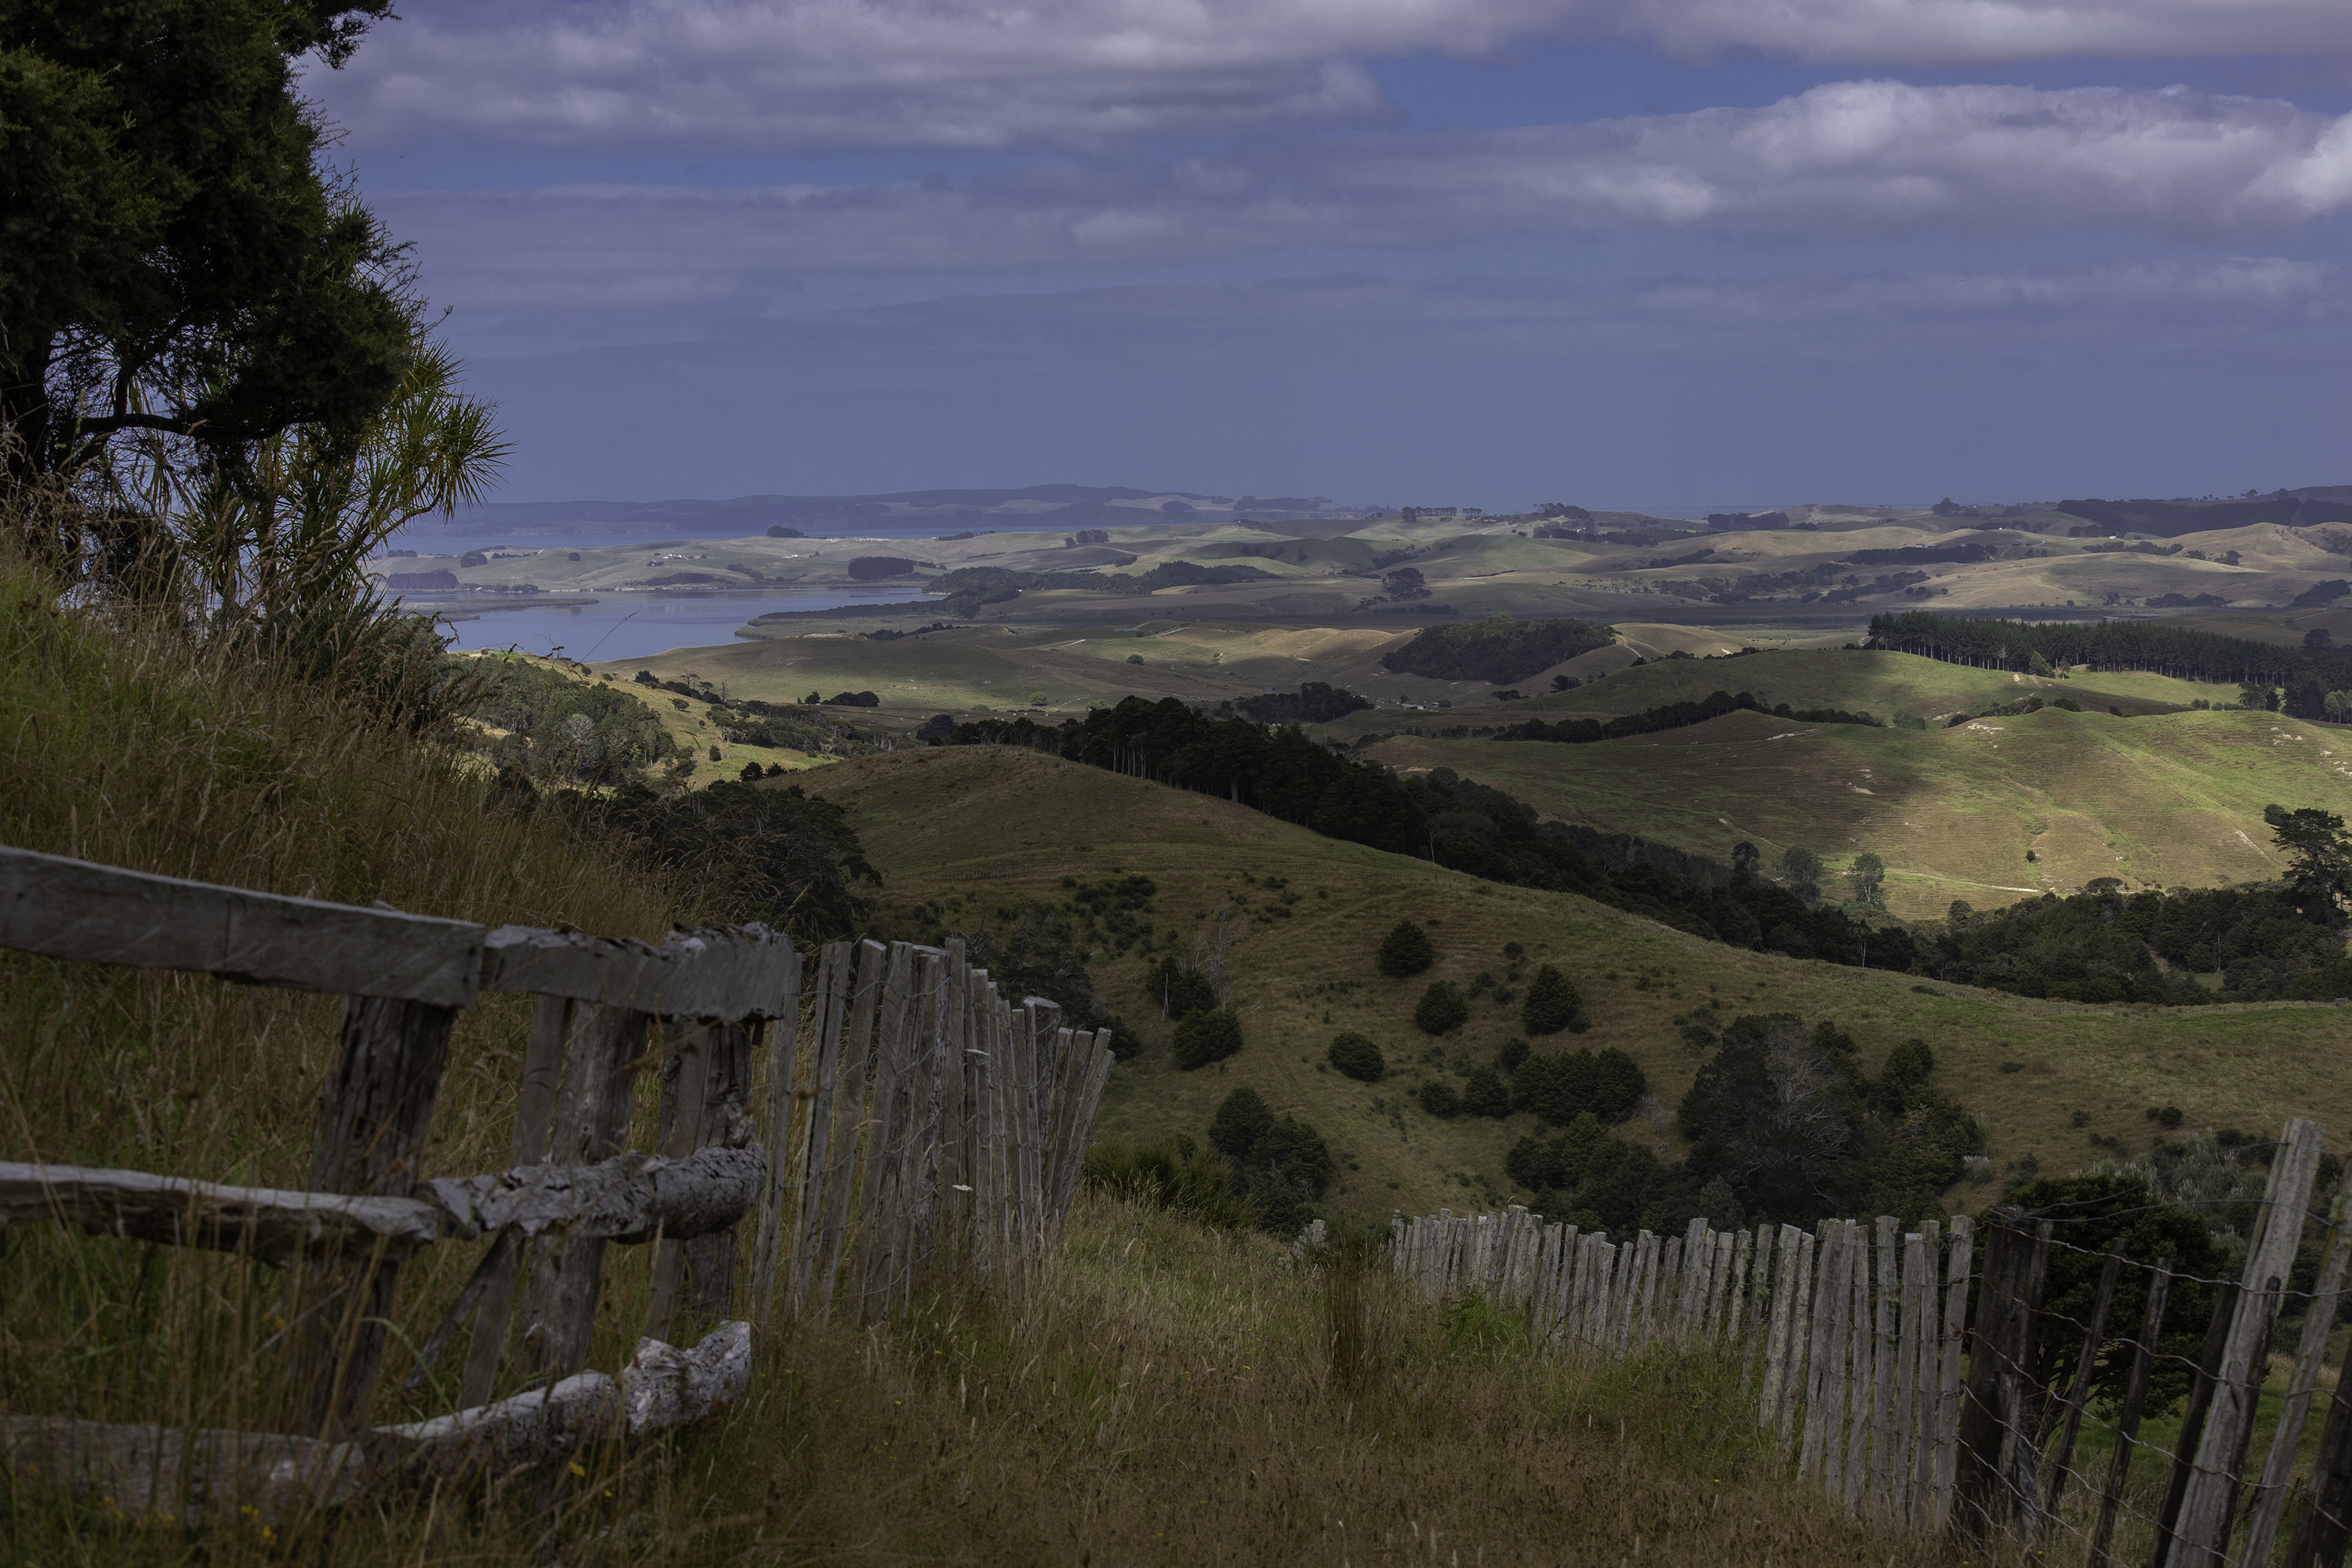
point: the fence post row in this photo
(1876, 1382)
(931, 1132)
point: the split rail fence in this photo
(909, 1128)
(1875, 1379)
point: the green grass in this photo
(2167, 801)
(987, 826)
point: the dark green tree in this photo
(1357, 1057)
(1240, 1122)
(1180, 989)
(1483, 1093)
(2319, 858)
(1440, 1009)
(778, 855)
(1552, 1003)
(1207, 1036)
(1440, 1099)
(178, 259)
(1405, 950)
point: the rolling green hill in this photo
(972, 830)
(2164, 801)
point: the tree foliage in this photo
(1202, 1037)
(1406, 951)
(1440, 1009)
(1559, 1087)
(1497, 650)
(1552, 1003)
(2319, 858)
(778, 855)
(1355, 1056)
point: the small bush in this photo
(1172, 1178)
(1356, 1056)
(1207, 1036)
(1484, 1094)
(1440, 1009)
(1135, 658)
(1405, 950)
(1181, 990)
(1440, 1101)
(1240, 1122)
(2168, 1118)
(1552, 1003)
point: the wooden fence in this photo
(1874, 1380)
(914, 1129)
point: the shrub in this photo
(1356, 1056)
(1552, 1003)
(1514, 1052)
(1181, 990)
(1240, 1122)
(1207, 1036)
(1440, 1099)
(1442, 1008)
(1484, 1094)
(1172, 1178)
(1135, 658)
(1405, 950)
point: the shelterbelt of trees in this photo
(1673, 716)
(2100, 946)
(2307, 674)
(1440, 816)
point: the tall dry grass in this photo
(126, 738)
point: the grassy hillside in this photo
(2169, 801)
(972, 830)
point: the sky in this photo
(1674, 255)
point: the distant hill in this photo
(1036, 507)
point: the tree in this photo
(1207, 1036)
(1440, 1009)
(2319, 858)
(1356, 1057)
(772, 854)
(179, 260)
(1800, 870)
(1867, 872)
(1483, 1093)
(1405, 950)
(1551, 1005)
(1240, 1122)
(1440, 1099)
(1771, 1112)
(1181, 989)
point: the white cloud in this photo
(786, 75)
(1855, 159)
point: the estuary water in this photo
(631, 625)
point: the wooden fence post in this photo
(771, 1254)
(542, 1075)
(2192, 1422)
(373, 1112)
(1948, 1375)
(2325, 1527)
(591, 1123)
(2111, 1494)
(2204, 1525)
(2005, 1308)
(2287, 1439)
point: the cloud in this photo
(1847, 160)
(801, 74)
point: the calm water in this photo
(631, 625)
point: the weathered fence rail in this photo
(1876, 1381)
(915, 1128)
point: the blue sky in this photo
(1676, 254)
